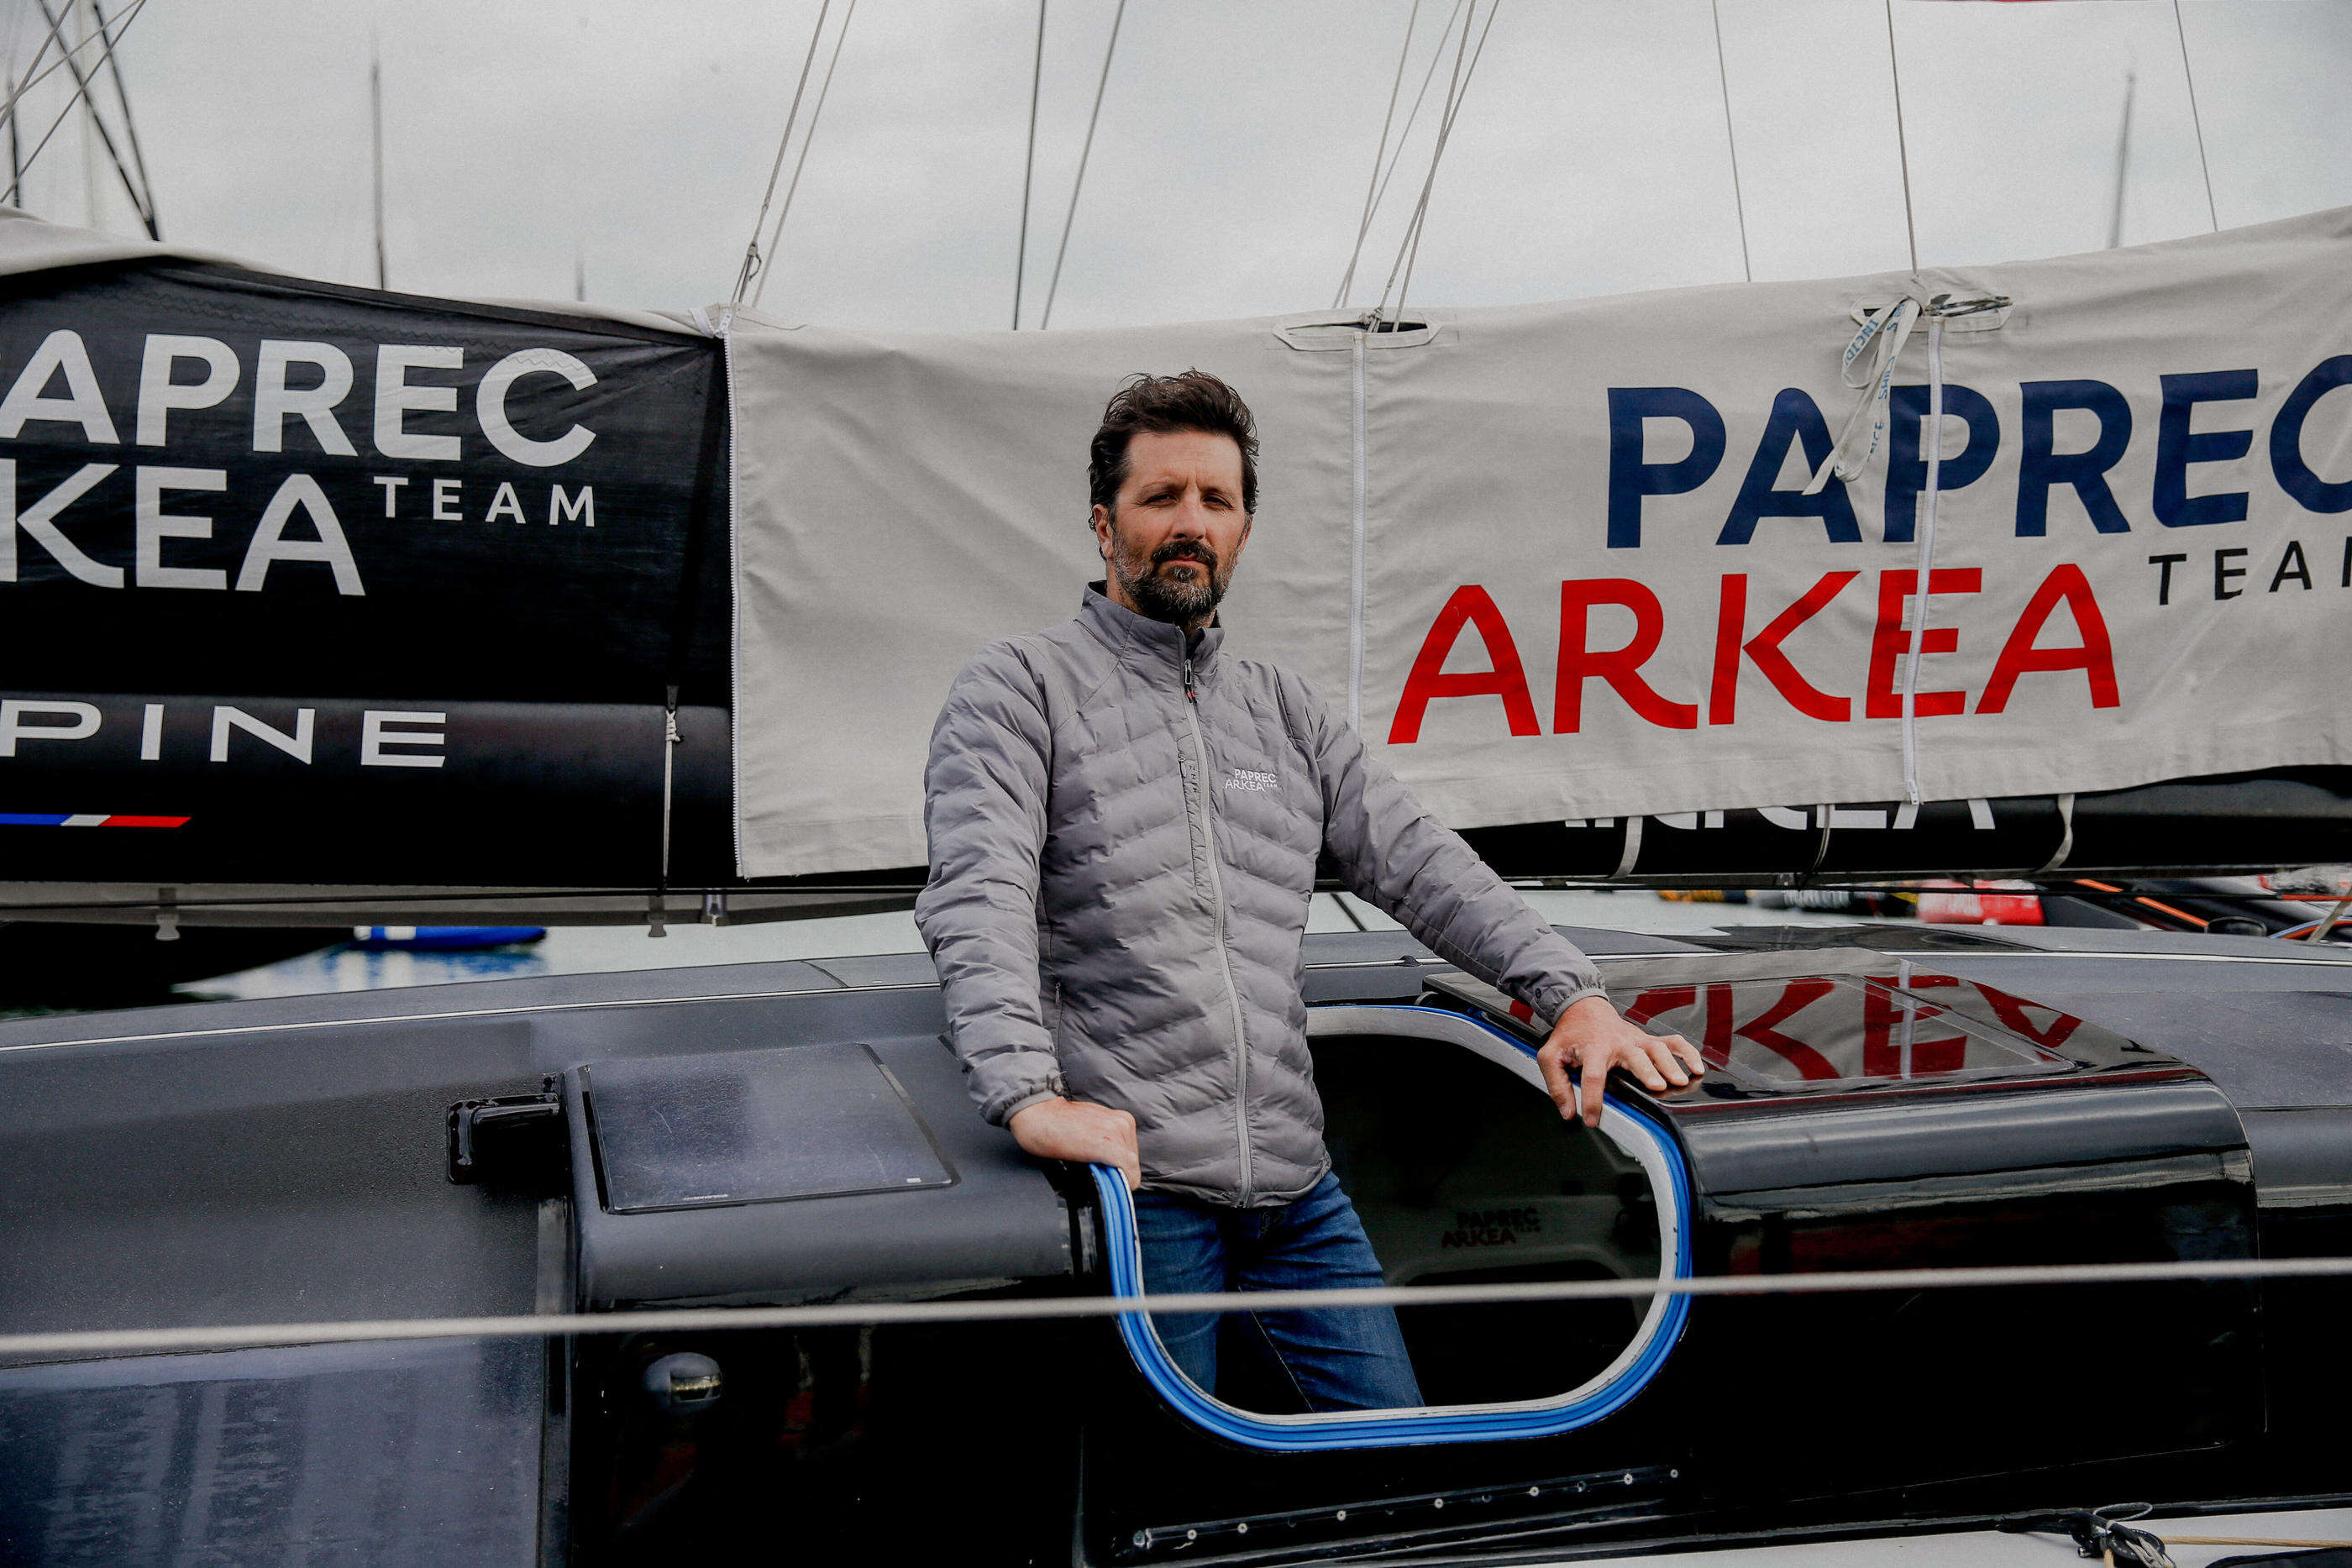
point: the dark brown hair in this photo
(1192, 400)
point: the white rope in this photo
(2195, 117)
(1923, 575)
(133, 1341)
(1379, 153)
(1739, 202)
(1086, 151)
(752, 250)
(1457, 89)
(1029, 167)
(1902, 145)
(825, 89)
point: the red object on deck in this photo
(1983, 904)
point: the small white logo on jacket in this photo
(1243, 778)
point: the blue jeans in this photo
(1349, 1358)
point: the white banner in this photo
(1561, 561)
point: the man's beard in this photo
(1186, 602)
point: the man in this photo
(1124, 829)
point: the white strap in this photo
(1890, 327)
(2065, 840)
(1632, 847)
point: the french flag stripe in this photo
(84, 819)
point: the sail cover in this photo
(1566, 561)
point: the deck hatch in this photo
(755, 1126)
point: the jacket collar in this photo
(1164, 645)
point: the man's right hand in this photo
(1081, 1133)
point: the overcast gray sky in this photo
(1589, 156)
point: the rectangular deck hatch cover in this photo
(754, 1126)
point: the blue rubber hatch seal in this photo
(1374, 1429)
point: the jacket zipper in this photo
(1217, 908)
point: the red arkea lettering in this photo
(1889, 642)
(1764, 649)
(1621, 667)
(1504, 677)
(2094, 657)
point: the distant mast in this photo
(2123, 163)
(375, 116)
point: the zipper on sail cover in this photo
(1217, 908)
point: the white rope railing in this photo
(234, 1337)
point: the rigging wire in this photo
(129, 128)
(2123, 163)
(1029, 167)
(15, 146)
(122, 23)
(1396, 159)
(1380, 154)
(15, 92)
(792, 116)
(1455, 92)
(84, 91)
(1436, 151)
(1086, 151)
(1731, 140)
(1902, 145)
(123, 26)
(775, 237)
(16, 157)
(2196, 116)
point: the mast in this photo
(2123, 163)
(375, 114)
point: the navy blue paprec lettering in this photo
(1906, 470)
(2296, 476)
(2040, 469)
(1794, 418)
(2176, 448)
(1630, 478)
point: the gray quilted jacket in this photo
(1123, 843)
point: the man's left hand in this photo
(1592, 1038)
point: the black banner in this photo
(344, 503)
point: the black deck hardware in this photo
(516, 1141)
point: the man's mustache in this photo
(1185, 550)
